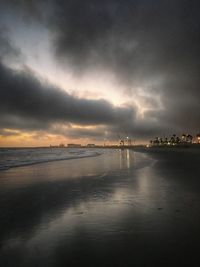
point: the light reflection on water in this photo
(70, 169)
(53, 213)
(61, 198)
(126, 158)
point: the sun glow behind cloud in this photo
(17, 138)
(35, 43)
(119, 69)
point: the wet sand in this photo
(123, 208)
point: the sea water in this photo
(16, 157)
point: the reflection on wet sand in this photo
(105, 211)
(126, 157)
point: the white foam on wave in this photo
(10, 158)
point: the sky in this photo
(74, 71)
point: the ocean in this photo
(16, 157)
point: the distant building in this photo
(57, 146)
(73, 145)
(198, 138)
(61, 145)
(91, 145)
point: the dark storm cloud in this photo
(26, 100)
(150, 44)
(94, 133)
(142, 41)
(131, 37)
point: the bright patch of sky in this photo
(35, 43)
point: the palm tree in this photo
(189, 138)
(166, 141)
(172, 139)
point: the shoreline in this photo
(48, 161)
(193, 145)
(193, 150)
(185, 148)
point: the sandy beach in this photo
(122, 208)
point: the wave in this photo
(11, 159)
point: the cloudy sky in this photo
(94, 71)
